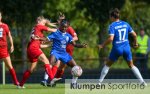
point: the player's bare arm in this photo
(11, 42)
(51, 24)
(135, 43)
(75, 38)
(46, 45)
(52, 29)
(109, 40)
(84, 45)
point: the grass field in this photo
(60, 89)
(32, 89)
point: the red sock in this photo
(54, 70)
(13, 74)
(59, 73)
(25, 77)
(49, 71)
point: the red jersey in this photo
(37, 31)
(70, 47)
(33, 50)
(4, 30)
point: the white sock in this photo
(74, 79)
(137, 73)
(103, 73)
(45, 76)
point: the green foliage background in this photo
(90, 19)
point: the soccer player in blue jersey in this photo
(60, 40)
(118, 35)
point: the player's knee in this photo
(62, 67)
(31, 70)
(130, 64)
(46, 61)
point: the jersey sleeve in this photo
(71, 31)
(7, 29)
(50, 37)
(111, 30)
(130, 29)
(44, 28)
(70, 38)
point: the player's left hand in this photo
(84, 45)
(135, 46)
(11, 49)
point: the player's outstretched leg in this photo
(54, 70)
(8, 63)
(27, 74)
(136, 72)
(59, 74)
(60, 71)
(105, 71)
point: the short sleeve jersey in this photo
(60, 40)
(71, 31)
(120, 31)
(4, 31)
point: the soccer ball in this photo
(76, 71)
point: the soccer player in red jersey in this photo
(33, 50)
(4, 53)
(69, 50)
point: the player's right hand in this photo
(135, 46)
(11, 49)
(84, 45)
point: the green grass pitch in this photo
(32, 89)
(60, 89)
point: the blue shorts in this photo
(62, 56)
(124, 51)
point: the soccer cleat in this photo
(99, 83)
(144, 83)
(21, 87)
(53, 82)
(44, 83)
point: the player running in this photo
(60, 40)
(118, 35)
(4, 53)
(34, 51)
(69, 50)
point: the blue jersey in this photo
(121, 47)
(120, 30)
(60, 40)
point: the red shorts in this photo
(4, 53)
(70, 49)
(33, 53)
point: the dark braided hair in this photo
(63, 22)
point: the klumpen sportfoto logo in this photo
(108, 86)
